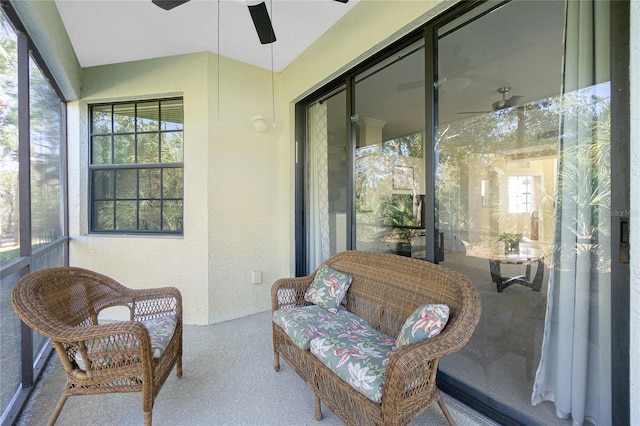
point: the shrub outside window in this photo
(136, 166)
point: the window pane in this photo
(103, 184)
(101, 119)
(124, 118)
(520, 194)
(46, 166)
(389, 158)
(103, 215)
(149, 183)
(126, 184)
(172, 215)
(124, 149)
(9, 206)
(172, 114)
(148, 148)
(126, 215)
(101, 150)
(150, 215)
(171, 147)
(172, 183)
(148, 117)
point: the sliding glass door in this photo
(499, 109)
(485, 143)
(523, 192)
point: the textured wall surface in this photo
(635, 213)
(148, 261)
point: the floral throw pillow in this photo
(425, 322)
(328, 288)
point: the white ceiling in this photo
(114, 31)
(517, 45)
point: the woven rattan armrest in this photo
(149, 303)
(289, 292)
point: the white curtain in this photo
(575, 366)
(318, 207)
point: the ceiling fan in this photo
(502, 103)
(257, 9)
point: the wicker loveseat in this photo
(63, 304)
(384, 291)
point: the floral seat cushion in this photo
(304, 323)
(359, 358)
(160, 329)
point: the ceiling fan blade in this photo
(262, 22)
(343, 1)
(168, 4)
(410, 85)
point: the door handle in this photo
(624, 240)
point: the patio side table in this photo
(503, 282)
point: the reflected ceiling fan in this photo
(502, 103)
(257, 9)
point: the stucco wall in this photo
(245, 214)
(230, 184)
(148, 261)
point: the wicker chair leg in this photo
(445, 411)
(276, 361)
(179, 366)
(318, 408)
(57, 411)
(147, 418)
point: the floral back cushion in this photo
(425, 322)
(328, 288)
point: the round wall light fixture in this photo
(259, 123)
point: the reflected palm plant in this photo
(398, 213)
(584, 182)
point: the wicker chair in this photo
(63, 304)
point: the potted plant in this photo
(511, 240)
(398, 214)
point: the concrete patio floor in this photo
(228, 380)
